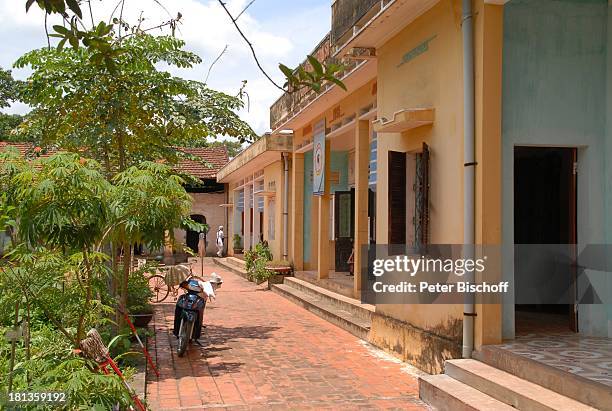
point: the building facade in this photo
(425, 148)
(256, 181)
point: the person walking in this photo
(220, 238)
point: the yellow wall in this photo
(274, 173)
(432, 79)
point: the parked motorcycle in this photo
(188, 314)
(189, 310)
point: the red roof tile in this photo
(25, 149)
(213, 160)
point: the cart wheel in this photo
(159, 288)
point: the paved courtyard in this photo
(261, 351)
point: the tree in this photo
(130, 114)
(95, 39)
(9, 89)
(233, 147)
(8, 125)
(64, 212)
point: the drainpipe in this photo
(285, 205)
(469, 171)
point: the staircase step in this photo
(346, 320)
(447, 394)
(342, 302)
(512, 390)
(590, 392)
(231, 266)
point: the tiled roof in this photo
(213, 160)
(25, 149)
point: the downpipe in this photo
(469, 168)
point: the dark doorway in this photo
(193, 237)
(544, 213)
(344, 228)
(397, 198)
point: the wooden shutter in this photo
(421, 218)
(397, 197)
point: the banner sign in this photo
(318, 158)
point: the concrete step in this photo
(586, 391)
(339, 287)
(341, 302)
(236, 262)
(444, 393)
(231, 265)
(321, 307)
(508, 388)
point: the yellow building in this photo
(416, 152)
(394, 158)
(256, 186)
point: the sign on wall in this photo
(318, 158)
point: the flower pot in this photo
(141, 320)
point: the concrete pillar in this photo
(296, 247)
(362, 158)
(256, 220)
(248, 203)
(488, 32)
(323, 247)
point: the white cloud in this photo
(206, 29)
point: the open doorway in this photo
(193, 237)
(544, 213)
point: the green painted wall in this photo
(554, 93)
(339, 163)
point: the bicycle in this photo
(161, 285)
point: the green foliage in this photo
(9, 88)
(149, 199)
(233, 147)
(135, 113)
(314, 79)
(256, 261)
(237, 240)
(51, 365)
(64, 212)
(139, 292)
(8, 126)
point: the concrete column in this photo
(362, 158)
(248, 203)
(488, 33)
(296, 247)
(323, 249)
(256, 223)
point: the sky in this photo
(280, 30)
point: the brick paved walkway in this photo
(261, 351)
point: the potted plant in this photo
(237, 244)
(279, 269)
(138, 305)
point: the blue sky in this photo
(281, 31)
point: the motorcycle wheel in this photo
(183, 338)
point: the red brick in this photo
(263, 352)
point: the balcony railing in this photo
(346, 14)
(291, 103)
